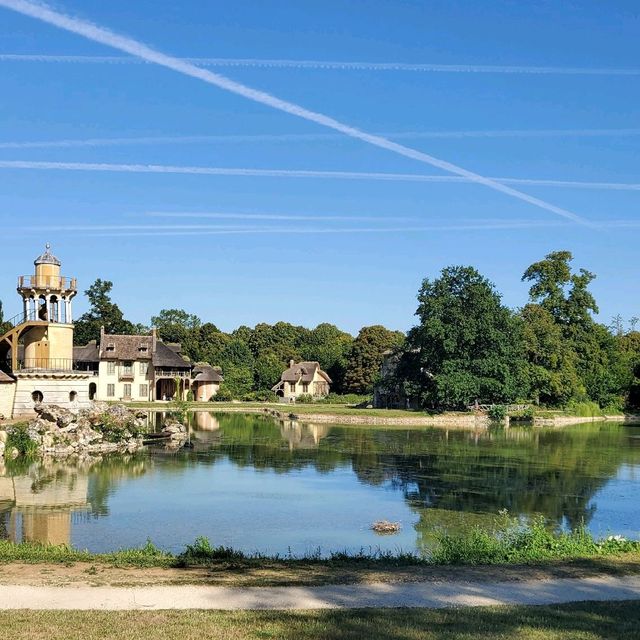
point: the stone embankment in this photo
(60, 432)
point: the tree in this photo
(552, 374)
(4, 326)
(466, 345)
(329, 346)
(102, 313)
(267, 370)
(176, 325)
(366, 355)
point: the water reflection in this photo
(265, 485)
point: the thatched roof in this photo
(206, 373)
(88, 353)
(303, 372)
(167, 358)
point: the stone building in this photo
(303, 378)
(36, 352)
(38, 362)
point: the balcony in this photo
(125, 375)
(49, 283)
(45, 364)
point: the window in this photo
(305, 387)
(292, 387)
(111, 368)
(144, 390)
(127, 390)
(110, 347)
(143, 348)
(37, 396)
(143, 367)
(111, 390)
(127, 368)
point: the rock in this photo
(173, 427)
(3, 436)
(53, 413)
(2, 446)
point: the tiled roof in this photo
(121, 347)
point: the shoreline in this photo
(399, 417)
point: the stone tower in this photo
(37, 350)
(47, 296)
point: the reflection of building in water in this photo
(205, 421)
(38, 507)
(303, 436)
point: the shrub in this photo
(18, 438)
(260, 396)
(201, 552)
(498, 412)
(224, 394)
(587, 409)
(305, 398)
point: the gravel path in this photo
(420, 594)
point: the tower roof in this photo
(47, 257)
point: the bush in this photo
(260, 396)
(514, 542)
(347, 398)
(224, 394)
(498, 412)
(18, 438)
(305, 398)
(525, 415)
(586, 409)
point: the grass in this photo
(508, 542)
(579, 621)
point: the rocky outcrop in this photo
(101, 428)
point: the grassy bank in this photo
(580, 621)
(508, 542)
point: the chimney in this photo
(292, 363)
(154, 339)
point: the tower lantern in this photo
(47, 295)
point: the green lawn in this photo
(580, 621)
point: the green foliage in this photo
(18, 438)
(498, 412)
(179, 410)
(585, 409)
(366, 355)
(512, 542)
(102, 313)
(345, 398)
(224, 394)
(305, 398)
(202, 552)
(466, 346)
(260, 396)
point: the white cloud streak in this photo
(133, 47)
(303, 173)
(312, 137)
(333, 65)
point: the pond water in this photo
(257, 484)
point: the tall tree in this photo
(102, 313)
(366, 355)
(466, 345)
(329, 346)
(176, 325)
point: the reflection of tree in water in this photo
(527, 471)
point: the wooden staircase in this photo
(9, 341)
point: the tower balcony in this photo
(27, 284)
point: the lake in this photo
(256, 484)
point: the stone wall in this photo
(55, 388)
(7, 394)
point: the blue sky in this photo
(352, 250)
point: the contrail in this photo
(312, 137)
(334, 65)
(140, 50)
(270, 216)
(199, 230)
(302, 173)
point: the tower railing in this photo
(59, 283)
(21, 318)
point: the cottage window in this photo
(127, 390)
(143, 367)
(292, 387)
(305, 388)
(111, 368)
(144, 390)
(127, 368)
(111, 390)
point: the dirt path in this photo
(419, 594)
